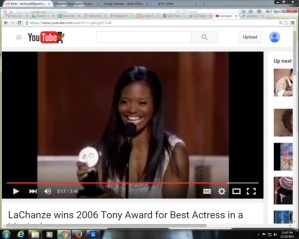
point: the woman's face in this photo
(136, 104)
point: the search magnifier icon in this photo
(204, 36)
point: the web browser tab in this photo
(129, 15)
(97, 15)
(122, 4)
(226, 16)
(137, 3)
(204, 15)
(27, 4)
(75, 4)
(146, 15)
(60, 4)
(72, 15)
(90, 4)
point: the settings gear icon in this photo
(221, 191)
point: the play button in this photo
(15, 191)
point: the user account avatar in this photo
(274, 37)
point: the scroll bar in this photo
(295, 53)
(295, 118)
(295, 75)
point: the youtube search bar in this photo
(156, 37)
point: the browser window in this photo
(148, 115)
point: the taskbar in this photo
(150, 233)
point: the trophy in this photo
(90, 156)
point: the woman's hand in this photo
(82, 171)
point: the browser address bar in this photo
(156, 37)
(67, 23)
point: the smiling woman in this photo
(158, 159)
(136, 104)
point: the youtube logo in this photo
(47, 37)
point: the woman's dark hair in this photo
(291, 71)
(286, 119)
(113, 136)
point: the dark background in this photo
(277, 156)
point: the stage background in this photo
(75, 94)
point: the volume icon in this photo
(48, 191)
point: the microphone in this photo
(90, 156)
(130, 131)
(126, 149)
